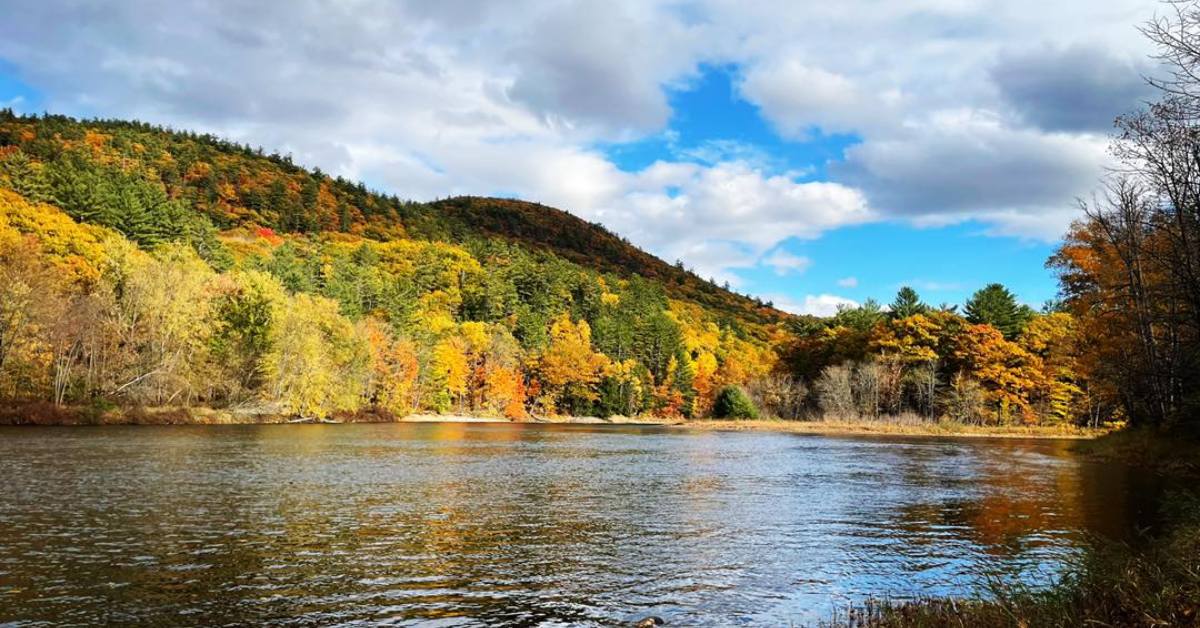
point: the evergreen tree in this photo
(907, 303)
(995, 305)
(733, 403)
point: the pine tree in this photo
(995, 305)
(907, 303)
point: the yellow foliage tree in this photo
(1004, 369)
(569, 369)
(318, 364)
(451, 371)
(1052, 338)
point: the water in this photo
(458, 524)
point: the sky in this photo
(812, 153)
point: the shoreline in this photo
(883, 428)
(47, 415)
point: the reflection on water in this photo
(522, 524)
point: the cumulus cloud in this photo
(598, 63)
(813, 304)
(1077, 88)
(970, 164)
(786, 263)
(848, 282)
(466, 96)
(798, 97)
(721, 217)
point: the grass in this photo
(1153, 583)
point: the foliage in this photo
(907, 303)
(1129, 267)
(319, 297)
(733, 403)
(995, 305)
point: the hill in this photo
(236, 185)
(467, 304)
(590, 244)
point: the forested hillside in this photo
(146, 267)
(594, 246)
(149, 267)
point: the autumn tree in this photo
(569, 369)
(318, 364)
(1004, 370)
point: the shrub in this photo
(733, 403)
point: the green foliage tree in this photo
(862, 318)
(995, 305)
(907, 303)
(733, 403)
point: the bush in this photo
(733, 403)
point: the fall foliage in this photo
(149, 267)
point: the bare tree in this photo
(780, 395)
(868, 379)
(835, 391)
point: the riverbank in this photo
(1152, 582)
(887, 427)
(50, 414)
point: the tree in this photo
(994, 305)
(912, 339)
(924, 382)
(781, 396)
(1006, 372)
(247, 307)
(165, 318)
(867, 386)
(318, 364)
(835, 391)
(733, 403)
(569, 369)
(907, 303)
(393, 368)
(29, 303)
(1051, 339)
(964, 401)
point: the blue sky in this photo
(944, 264)
(811, 153)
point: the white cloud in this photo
(786, 263)
(721, 217)
(797, 97)
(969, 163)
(433, 99)
(815, 305)
(811, 304)
(848, 282)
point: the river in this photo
(521, 525)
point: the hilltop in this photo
(236, 185)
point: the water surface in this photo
(478, 524)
